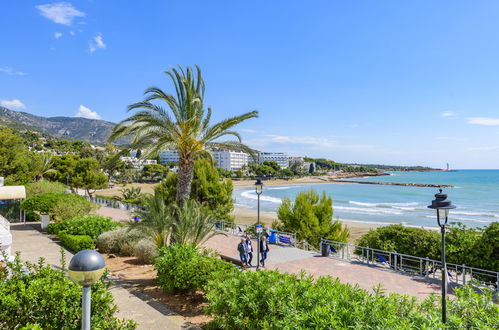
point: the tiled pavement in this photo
(288, 259)
(293, 260)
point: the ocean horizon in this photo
(474, 192)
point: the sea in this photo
(475, 194)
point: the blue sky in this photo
(397, 82)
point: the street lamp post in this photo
(85, 268)
(442, 205)
(258, 189)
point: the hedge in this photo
(76, 243)
(91, 225)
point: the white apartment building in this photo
(230, 160)
(280, 158)
(138, 164)
(226, 159)
(168, 156)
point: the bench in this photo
(284, 239)
(233, 261)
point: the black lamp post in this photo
(258, 189)
(85, 268)
(442, 205)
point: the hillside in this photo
(71, 128)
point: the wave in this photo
(368, 210)
(252, 195)
(488, 215)
(282, 188)
(398, 206)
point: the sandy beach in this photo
(249, 216)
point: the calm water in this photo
(476, 195)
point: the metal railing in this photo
(115, 204)
(237, 229)
(424, 267)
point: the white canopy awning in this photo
(12, 192)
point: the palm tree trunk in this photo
(185, 174)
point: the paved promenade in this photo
(132, 305)
(293, 260)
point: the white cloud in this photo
(85, 112)
(57, 35)
(483, 121)
(96, 43)
(447, 114)
(12, 104)
(60, 12)
(247, 130)
(9, 70)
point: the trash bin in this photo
(325, 250)
(273, 236)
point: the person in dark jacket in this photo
(264, 249)
(242, 251)
(249, 251)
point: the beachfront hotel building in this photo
(280, 158)
(168, 156)
(226, 159)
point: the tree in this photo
(273, 164)
(264, 170)
(311, 169)
(87, 175)
(186, 128)
(16, 161)
(206, 188)
(138, 154)
(311, 217)
(153, 172)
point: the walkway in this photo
(132, 305)
(293, 260)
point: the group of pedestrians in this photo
(245, 249)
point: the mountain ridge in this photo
(72, 128)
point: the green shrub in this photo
(273, 300)
(310, 217)
(43, 187)
(46, 298)
(120, 241)
(474, 247)
(183, 268)
(57, 205)
(76, 243)
(146, 250)
(406, 240)
(91, 225)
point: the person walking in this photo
(249, 251)
(242, 251)
(264, 249)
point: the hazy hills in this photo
(71, 128)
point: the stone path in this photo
(133, 305)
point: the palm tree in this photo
(156, 221)
(185, 128)
(44, 166)
(192, 224)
